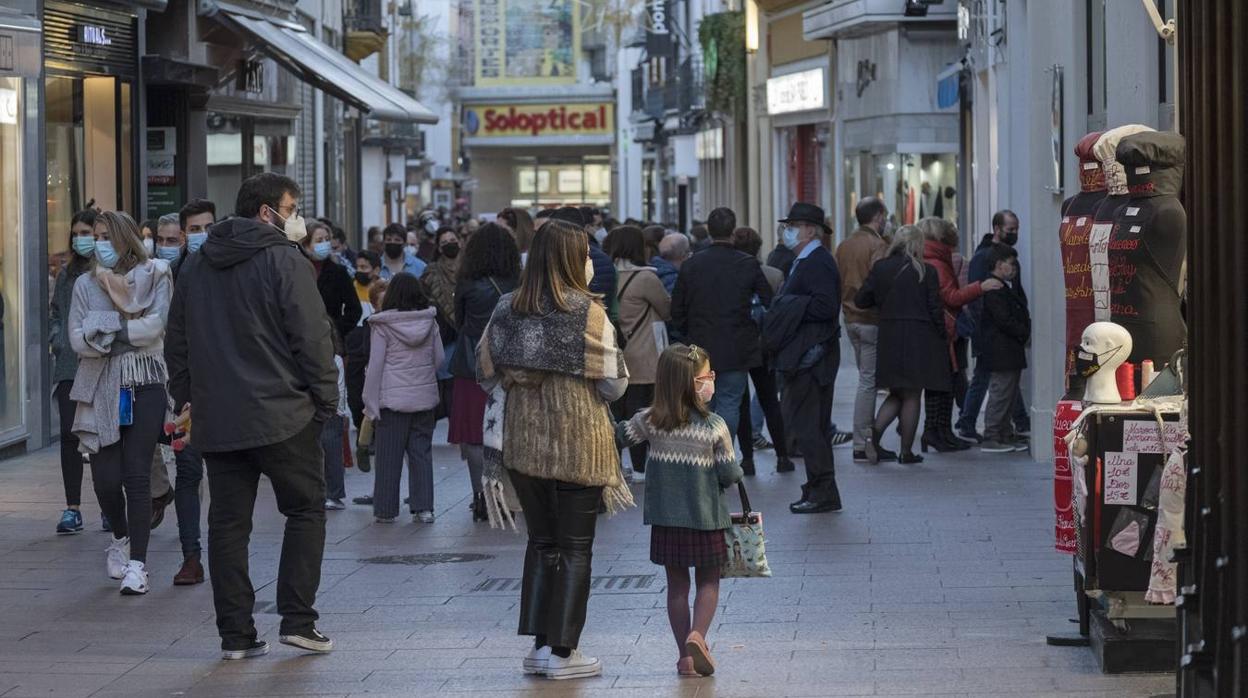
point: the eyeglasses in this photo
(708, 378)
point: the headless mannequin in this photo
(1105, 150)
(1148, 247)
(1076, 227)
(1109, 344)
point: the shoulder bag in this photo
(747, 556)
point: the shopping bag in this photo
(747, 555)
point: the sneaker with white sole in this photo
(135, 581)
(117, 557)
(990, 446)
(574, 666)
(310, 639)
(537, 660)
(424, 517)
(257, 648)
(335, 505)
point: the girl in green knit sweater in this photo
(690, 463)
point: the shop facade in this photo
(894, 137)
(538, 152)
(799, 107)
(23, 263)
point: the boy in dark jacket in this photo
(1006, 328)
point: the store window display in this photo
(1148, 247)
(1077, 217)
(913, 186)
(1103, 347)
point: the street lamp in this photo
(751, 26)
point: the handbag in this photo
(747, 555)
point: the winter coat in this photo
(814, 277)
(64, 359)
(977, 270)
(643, 301)
(1006, 328)
(667, 272)
(248, 342)
(338, 292)
(711, 305)
(404, 356)
(912, 348)
(940, 256)
(782, 258)
(854, 259)
(474, 305)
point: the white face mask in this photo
(295, 227)
(150, 246)
(589, 271)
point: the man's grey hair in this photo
(169, 219)
(674, 247)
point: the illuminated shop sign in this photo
(529, 120)
(797, 92)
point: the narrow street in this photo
(937, 579)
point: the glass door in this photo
(12, 378)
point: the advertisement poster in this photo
(527, 41)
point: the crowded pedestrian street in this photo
(935, 579)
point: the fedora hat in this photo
(807, 213)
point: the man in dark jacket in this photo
(711, 308)
(781, 258)
(1005, 327)
(603, 282)
(248, 346)
(1004, 231)
(810, 360)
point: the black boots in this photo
(479, 512)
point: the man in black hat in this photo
(810, 355)
(711, 308)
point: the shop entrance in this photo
(242, 146)
(551, 182)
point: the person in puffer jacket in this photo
(400, 394)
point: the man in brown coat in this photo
(854, 257)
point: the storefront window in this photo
(564, 182)
(912, 186)
(11, 297)
(271, 148)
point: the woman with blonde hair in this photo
(117, 327)
(912, 354)
(549, 361)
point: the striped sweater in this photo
(686, 471)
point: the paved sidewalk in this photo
(938, 579)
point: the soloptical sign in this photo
(535, 120)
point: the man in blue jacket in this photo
(809, 361)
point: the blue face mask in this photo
(105, 253)
(321, 250)
(84, 245)
(168, 253)
(194, 241)
(789, 236)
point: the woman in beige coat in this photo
(644, 308)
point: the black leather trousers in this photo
(560, 517)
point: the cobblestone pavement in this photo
(938, 579)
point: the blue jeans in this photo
(190, 473)
(975, 394)
(730, 387)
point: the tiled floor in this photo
(938, 579)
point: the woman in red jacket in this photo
(941, 239)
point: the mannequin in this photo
(1104, 347)
(1148, 247)
(1103, 222)
(1077, 214)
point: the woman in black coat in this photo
(913, 353)
(490, 267)
(333, 280)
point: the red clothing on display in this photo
(1078, 213)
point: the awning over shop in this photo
(322, 66)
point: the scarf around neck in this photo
(135, 291)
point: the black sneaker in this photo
(255, 648)
(784, 465)
(310, 639)
(747, 466)
(841, 438)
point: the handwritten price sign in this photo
(1121, 477)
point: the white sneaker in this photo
(334, 505)
(575, 666)
(536, 661)
(118, 555)
(424, 517)
(135, 581)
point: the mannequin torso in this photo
(1078, 214)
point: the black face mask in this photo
(1010, 239)
(394, 250)
(450, 250)
(1087, 363)
(363, 278)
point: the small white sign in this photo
(1143, 170)
(1133, 210)
(1143, 436)
(797, 92)
(8, 106)
(1121, 473)
(1081, 222)
(1091, 165)
(1135, 229)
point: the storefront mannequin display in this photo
(1077, 214)
(1148, 247)
(1105, 150)
(1104, 346)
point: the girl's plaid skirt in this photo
(686, 547)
